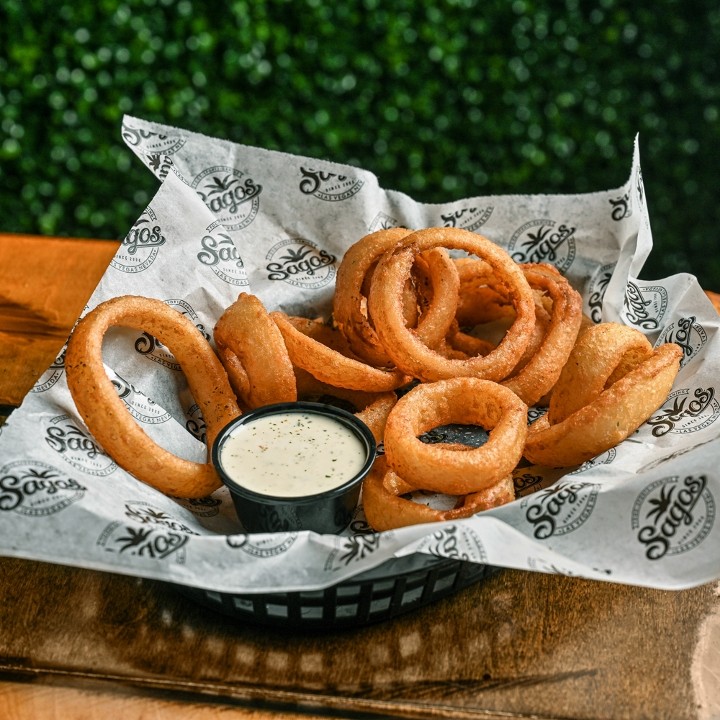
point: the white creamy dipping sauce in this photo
(292, 454)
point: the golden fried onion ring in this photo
(106, 415)
(541, 371)
(349, 303)
(253, 352)
(406, 349)
(462, 400)
(605, 353)
(327, 364)
(386, 509)
(609, 418)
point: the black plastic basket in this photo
(395, 587)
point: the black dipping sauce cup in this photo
(329, 511)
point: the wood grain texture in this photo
(518, 643)
(44, 285)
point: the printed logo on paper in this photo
(604, 458)
(219, 253)
(596, 291)
(673, 515)
(688, 334)
(141, 245)
(644, 307)
(195, 423)
(354, 548)
(201, 507)
(328, 186)
(146, 514)
(382, 221)
(52, 374)
(467, 218)
(262, 546)
(159, 164)
(37, 489)
(621, 207)
(153, 542)
(76, 447)
(300, 263)
(229, 194)
(545, 241)
(457, 542)
(560, 509)
(683, 413)
(151, 142)
(640, 187)
(149, 346)
(527, 482)
(140, 406)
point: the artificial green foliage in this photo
(441, 100)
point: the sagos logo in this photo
(140, 246)
(682, 413)
(300, 263)
(36, 489)
(621, 207)
(151, 141)
(195, 423)
(458, 542)
(540, 241)
(219, 253)
(673, 515)
(52, 374)
(159, 537)
(146, 514)
(201, 507)
(157, 147)
(382, 221)
(327, 185)
(686, 333)
(262, 546)
(596, 291)
(644, 307)
(232, 197)
(141, 407)
(468, 218)
(77, 448)
(560, 509)
(154, 350)
(353, 549)
(604, 458)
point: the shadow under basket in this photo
(395, 587)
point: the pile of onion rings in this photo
(441, 318)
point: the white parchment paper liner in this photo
(229, 218)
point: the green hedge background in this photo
(441, 100)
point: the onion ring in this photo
(329, 365)
(608, 419)
(386, 509)
(406, 349)
(106, 415)
(438, 297)
(253, 352)
(349, 303)
(457, 400)
(541, 371)
(602, 355)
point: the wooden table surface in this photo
(76, 643)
